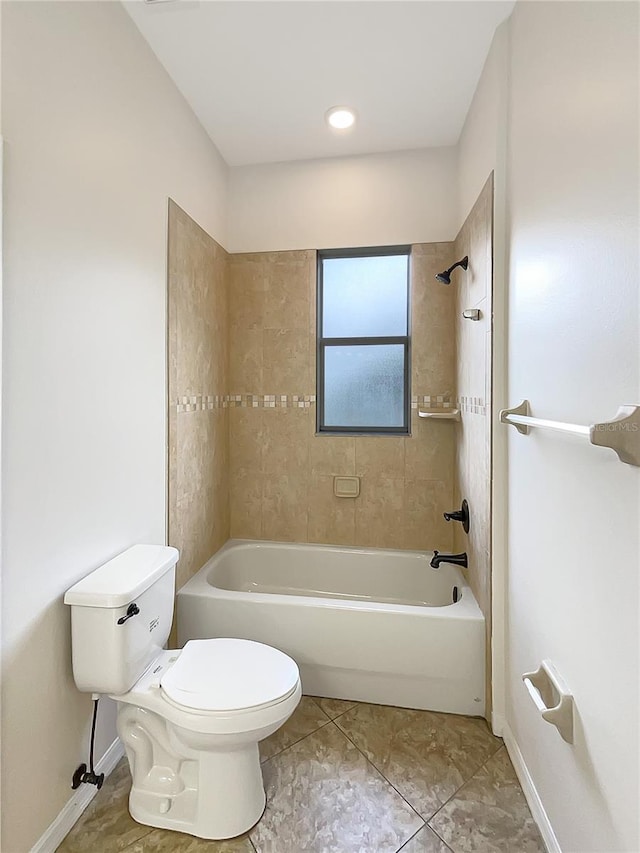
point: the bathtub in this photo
(370, 625)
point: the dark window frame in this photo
(323, 342)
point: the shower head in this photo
(445, 277)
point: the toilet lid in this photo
(229, 675)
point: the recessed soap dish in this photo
(552, 698)
(346, 487)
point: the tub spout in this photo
(456, 559)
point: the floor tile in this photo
(489, 814)
(334, 707)
(323, 796)
(426, 756)
(425, 841)
(305, 719)
(106, 825)
(163, 841)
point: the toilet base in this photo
(198, 784)
(212, 811)
(206, 783)
(221, 797)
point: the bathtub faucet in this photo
(456, 559)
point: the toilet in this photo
(190, 719)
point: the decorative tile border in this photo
(209, 402)
(271, 401)
(474, 405)
(201, 402)
(431, 401)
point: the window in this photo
(363, 340)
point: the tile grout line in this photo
(333, 719)
(409, 840)
(151, 829)
(293, 743)
(484, 764)
(390, 784)
(426, 820)
(417, 832)
(437, 834)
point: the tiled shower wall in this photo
(281, 472)
(198, 497)
(473, 343)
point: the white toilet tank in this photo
(121, 616)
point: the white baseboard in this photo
(529, 789)
(497, 724)
(65, 821)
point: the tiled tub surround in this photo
(198, 383)
(342, 777)
(372, 625)
(281, 471)
(473, 289)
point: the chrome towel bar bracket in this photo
(621, 434)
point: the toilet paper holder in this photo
(552, 698)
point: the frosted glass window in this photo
(363, 340)
(364, 297)
(364, 385)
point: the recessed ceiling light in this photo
(341, 118)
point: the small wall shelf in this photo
(621, 433)
(441, 414)
(552, 698)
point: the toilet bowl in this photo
(190, 719)
(191, 727)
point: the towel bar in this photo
(621, 433)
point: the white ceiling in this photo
(261, 75)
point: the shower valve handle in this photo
(461, 514)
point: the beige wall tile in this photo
(246, 504)
(473, 346)
(198, 364)
(246, 310)
(380, 456)
(432, 303)
(330, 454)
(380, 516)
(332, 520)
(247, 273)
(286, 361)
(430, 450)
(246, 438)
(288, 297)
(425, 502)
(285, 440)
(285, 506)
(433, 362)
(246, 361)
(287, 282)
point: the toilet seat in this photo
(229, 676)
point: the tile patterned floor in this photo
(345, 777)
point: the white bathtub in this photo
(369, 625)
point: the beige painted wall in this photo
(373, 200)
(281, 472)
(574, 352)
(96, 138)
(473, 289)
(478, 148)
(198, 380)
